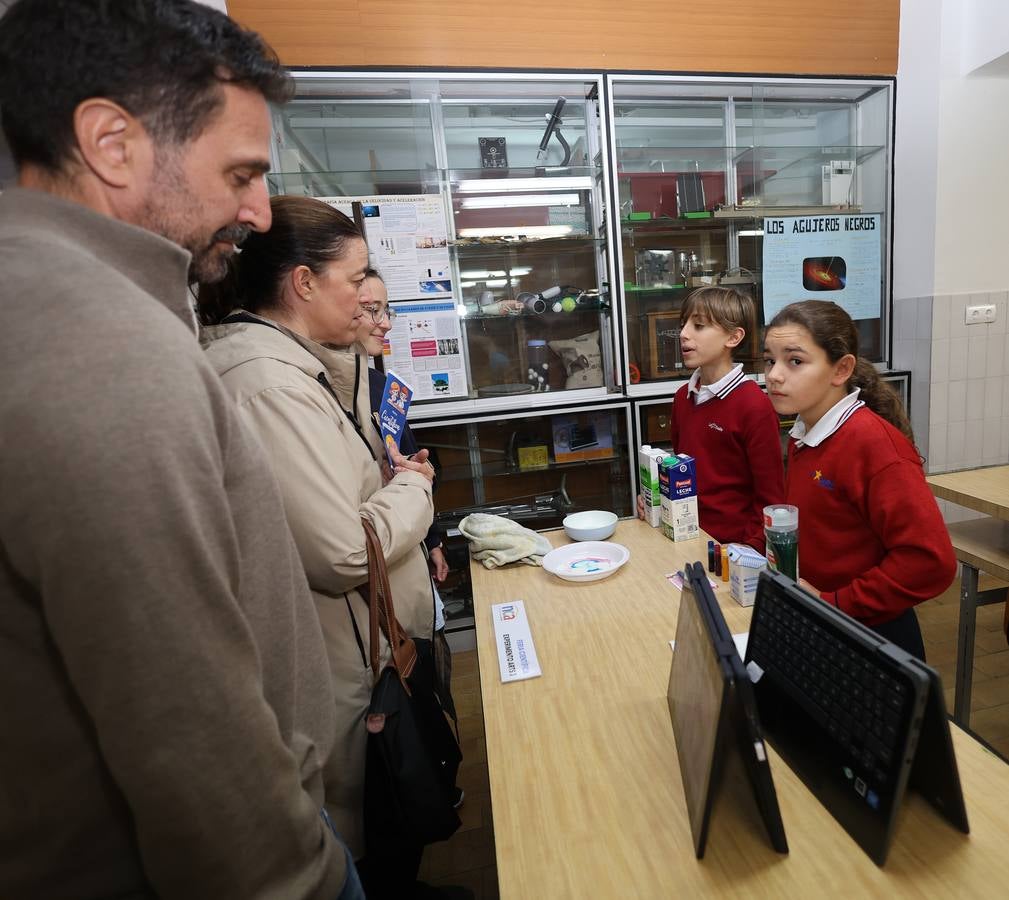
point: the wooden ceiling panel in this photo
(858, 37)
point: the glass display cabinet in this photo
(701, 165)
(652, 421)
(539, 232)
(531, 468)
(482, 198)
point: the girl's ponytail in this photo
(880, 397)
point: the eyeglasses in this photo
(379, 313)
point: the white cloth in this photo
(497, 541)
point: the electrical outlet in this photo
(978, 315)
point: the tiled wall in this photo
(959, 382)
(968, 396)
(912, 350)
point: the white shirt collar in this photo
(829, 422)
(721, 388)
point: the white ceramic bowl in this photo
(586, 561)
(592, 525)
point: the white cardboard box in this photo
(745, 565)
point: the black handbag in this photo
(412, 755)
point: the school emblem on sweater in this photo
(823, 482)
(715, 426)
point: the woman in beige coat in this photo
(299, 289)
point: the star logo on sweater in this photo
(715, 426)
(823, 482)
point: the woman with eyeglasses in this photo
(375, 324)
(281, 332)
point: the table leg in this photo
(965, 645)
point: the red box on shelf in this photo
(655, 192)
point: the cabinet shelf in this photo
(488, 243)
(759, 212)
(530, 316)
(474, 181)
(658, 159)
(660, 225)
(781, 158)
(660, 289)
(678, 160)
(498, 469)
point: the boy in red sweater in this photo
(723, 420)
(871, 538)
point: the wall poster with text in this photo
(835, 257)
(425, 348)
(407, 238)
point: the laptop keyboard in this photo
(843, 686)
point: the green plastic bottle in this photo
(781, 531)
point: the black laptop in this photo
(857, 718)
(714, 714)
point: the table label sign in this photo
(515, 652)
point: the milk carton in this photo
(745, 565)
(648, 469)
(678, 489)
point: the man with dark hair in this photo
(161, 71)
(165, 702)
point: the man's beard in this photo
(210, 263)
(173, 210)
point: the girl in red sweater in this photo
(871, 538)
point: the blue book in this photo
(396, 397)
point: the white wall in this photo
(985, 35)
(969, 405)
(916, 145)
(960, 121)
(973, 190)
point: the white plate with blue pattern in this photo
(586, 560)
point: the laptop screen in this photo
(840, 704)
(696, 692)
(715, 717)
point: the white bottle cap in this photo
(782, 516)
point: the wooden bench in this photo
(981, 545)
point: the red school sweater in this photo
(871, 537)
(735, 441)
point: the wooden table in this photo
(585, 785)
(986, 490)
(981, 545)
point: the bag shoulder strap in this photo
(382, 613)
